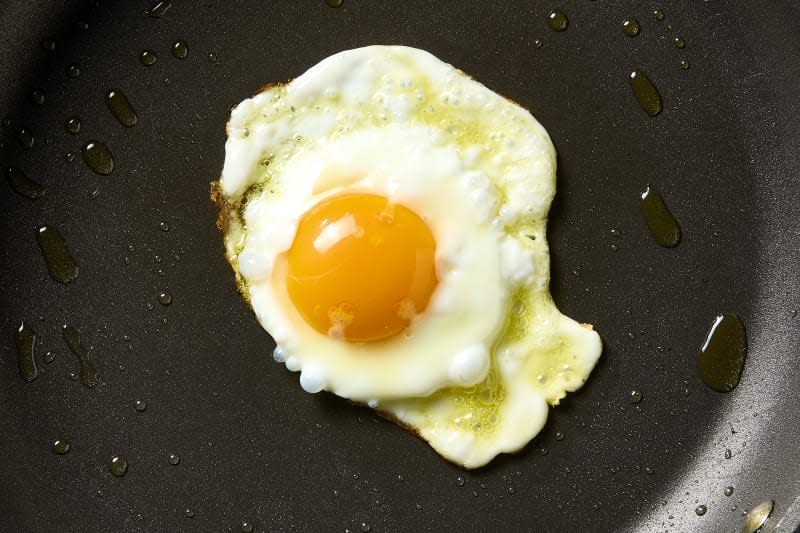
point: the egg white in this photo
(474, 372)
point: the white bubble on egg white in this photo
(279, 354)
(292, 364)
(470, 366)
(312, 380)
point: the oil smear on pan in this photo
(723, 354)
(121, 108)
(660, 222)
(25, 339)
(758, 516)
(60, 263)
(72, 337)
(22, 184)
(159, 9)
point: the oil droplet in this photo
(538, 43)
(365, 528)
(147, 57)
(60, 263)
(83, 26)
(174, 459)
(723, 353)
(188, 513)
(150, 306)
(73, 339)
(649, 471)
(180, 50)
(60, 446)
(658, 14)
(165, 298)
(22, 184)
(646, 93)
(630, 27)
(334, 3)
(121, 108)
(37, 97)
(557, 20)
(662, 225)
(140, 405)
(25, 138)
(74, 70)
(635, 397)
(163, 226)
(98, 157)
(727, 454)
(684, 64)
(69, 157)
(49, 357)
(758, 516)
(118, 465)
(728, 491)
(680, 43)
(73, 125)
(159, 9)
(49, 45)
(212, 57)
(700, 510)
(559, 436)
(25, 338)
(247, 527)
(460, 481)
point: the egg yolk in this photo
(360, 267)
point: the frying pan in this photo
(252, 446)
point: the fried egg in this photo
(385, 216)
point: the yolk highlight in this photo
(361, 267)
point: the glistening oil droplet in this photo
(660, 222)
(118, 465)
(121, 108)
(246, 527)
(723, 354)
(25, 339)
(646, 93)
(22, 184)
(180, 49)
(60, 446)
(73, 71)
(635, 396)
(159, 9)
(25, 138)
(684, 64)
(334, 3)
(73, 125)
(679, 42)
(729, 491)
(174, 459)
(37, 97)
(538, 43)
(73, 339)
(147, 57)
(140, 406)
(165, 298)
(557, 20)
(658, 14)
(98, 157)
(758, 516)
(700, 510)
(630, 27)
(60, 263)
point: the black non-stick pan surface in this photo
(252, 446)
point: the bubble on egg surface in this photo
(377, 213)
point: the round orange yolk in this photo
(360, 267)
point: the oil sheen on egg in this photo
(385, 216)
